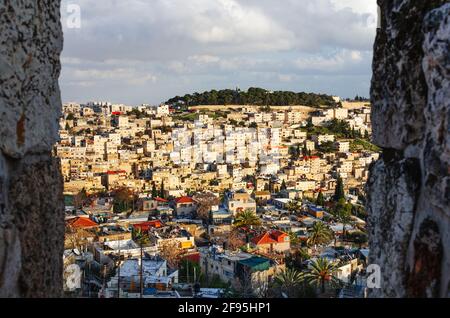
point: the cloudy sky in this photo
(146, 51)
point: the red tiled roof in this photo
(277, 235)
(81, 223)
(161, 200)
(184, 200)
(263, 239)
(147, 225)
(116, 172)
(271, 237)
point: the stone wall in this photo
(409, 187)
(31, 202)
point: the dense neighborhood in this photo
(216, 201)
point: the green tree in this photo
(320, 199)
(360, 238)
(288, 282)
(327, 147)
(246, 219)
(321, 273)
(293, 206)
(293, 238)
(319, 234)
(340, 128)
(254, 96)
(339, 190)
(343, 211)
(162, 193)
(271, 186)
(140, 237)
(154, 191)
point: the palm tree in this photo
(288, 282)
(293, 206)
(293, 238)
(343, 212)
(140, 237)
(246, 218)
(319, 233)
(322, 272)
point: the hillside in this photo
(254, 96)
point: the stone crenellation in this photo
(31, 202)
(409, 187)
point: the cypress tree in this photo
(339, 191)
(162, 195)
(320, 200)
(154, 191)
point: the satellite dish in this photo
(76, 252)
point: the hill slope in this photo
(254, 96)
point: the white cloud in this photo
(128, 75)
(177, 67)
(204, 59)
(359, 6)
(339, 61)
(178, 45)
(285, 77)
(231, 22)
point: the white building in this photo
(162, 110)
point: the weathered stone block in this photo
(31, 203)
(399, 90)
(391, 218)
(30, 46)
(37, 205)
(409, 205)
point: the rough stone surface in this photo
(409, 187)
(391, 217)
(31, 203)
